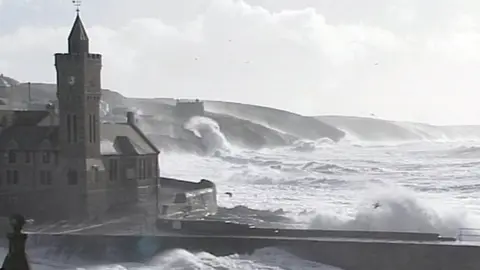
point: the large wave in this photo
(212, 138)
(398, 210)
(42, 258)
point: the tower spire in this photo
(78, 38)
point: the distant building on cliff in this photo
(62, 162)
(185, 108)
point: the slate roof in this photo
(30, 128)
(22, 118)
(123, 139)
(28, 118)
(78, 31)
(29, 137)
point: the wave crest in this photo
(401, 212)
(209, 132)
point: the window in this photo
(72, 176)
(12, 200)
(113, 170)
(75, 131)
(46, 157)
(94, 117)
(155, 169)
(130, 173)
(69, 128)
(12, 156)
(46, 178)
(148, 169)
(141, 168)
(12, 177)
(28, 157)
(90, 127)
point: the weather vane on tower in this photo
(77, 4)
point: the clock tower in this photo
(79, 93)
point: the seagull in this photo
(229, 194)
(376, 205)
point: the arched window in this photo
(12, 156)
(72, 176)
(46, 157)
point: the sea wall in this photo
(187, 198)
(221, 227)
(349, 254)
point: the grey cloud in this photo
(308, 56)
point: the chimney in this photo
(131, 118)
(50, 107)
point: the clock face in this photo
(71, 80)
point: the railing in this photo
(468, 234)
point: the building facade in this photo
(63, 162)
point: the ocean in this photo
(421, 178)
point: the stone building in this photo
(185, 108)
(64, 163)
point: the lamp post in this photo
(16, 258)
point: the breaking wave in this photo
(397, 210)
(309, 146)
(212, 138)
(180, 259)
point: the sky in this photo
(398, 59)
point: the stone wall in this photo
(184, 197)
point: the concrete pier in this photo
(350, 251)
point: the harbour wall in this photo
(222, 227)
(182, 198)
(346, 253)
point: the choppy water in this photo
(423, 186)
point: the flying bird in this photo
(229, 194)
